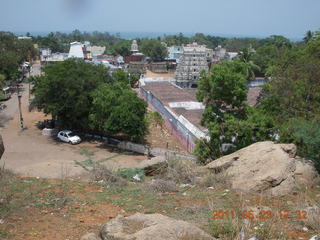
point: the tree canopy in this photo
(154, 49)
(231, 123)
(12, 53)
(84, 96)
(117, 109)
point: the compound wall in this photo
(172, 122)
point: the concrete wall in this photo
(142, 149)
(174, 126)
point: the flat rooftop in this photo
(183, 101)
(167, 93)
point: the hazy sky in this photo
(291, 18)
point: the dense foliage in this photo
(231, 123)
(117, 109)
(59, 42)
(292, 97)
(289, 109)
(154, 49)
(85, 97)
(12, 53)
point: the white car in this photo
(69, 137)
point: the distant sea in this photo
(133, 35)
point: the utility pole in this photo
(19, 103)
(29, 84)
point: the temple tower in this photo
(193, 60)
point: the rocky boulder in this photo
(266, 167)
(90, 236)
(151, 226)
(1, 147)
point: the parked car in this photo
(2, 106)
(69, 137)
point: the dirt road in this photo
(29, 153)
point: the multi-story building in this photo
(192, 61)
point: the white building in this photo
(192, 61)
(174, 53)
(76, 50)
(96, 50)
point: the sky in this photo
(259, 18)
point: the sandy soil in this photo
(150, 74)
(29, 153)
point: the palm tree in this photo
(245, 55)
(308, 36)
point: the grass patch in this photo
(131, 174)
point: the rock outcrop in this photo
(266, 167)
(151, 226)
(1, 147)
(90, 236)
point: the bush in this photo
(181, 171)
(217, 180)
(102, 174)
(161, 185)
(155, 119)
(306, 135)
(39, 125)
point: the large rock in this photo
(266, 167)
(150, 227)
(1, 147)
(90, 236)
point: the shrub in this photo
(216, 180)
(107, 177)
(306, 135)
(181, 171)
(161, 185)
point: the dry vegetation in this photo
(30, 207)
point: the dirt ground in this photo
(45, 209)
(30, 154)
(150, 74)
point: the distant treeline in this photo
(59, 42)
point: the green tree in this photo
(154, 49)
(292, 97)
(120, 48)
(231, 123)
(12, 53)
(308, 36)
(305, 134)
(295, 84)
(117, 109)
(245, 55)
(2, 82)
(84, 96)
(64, 91)
(265, 57)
